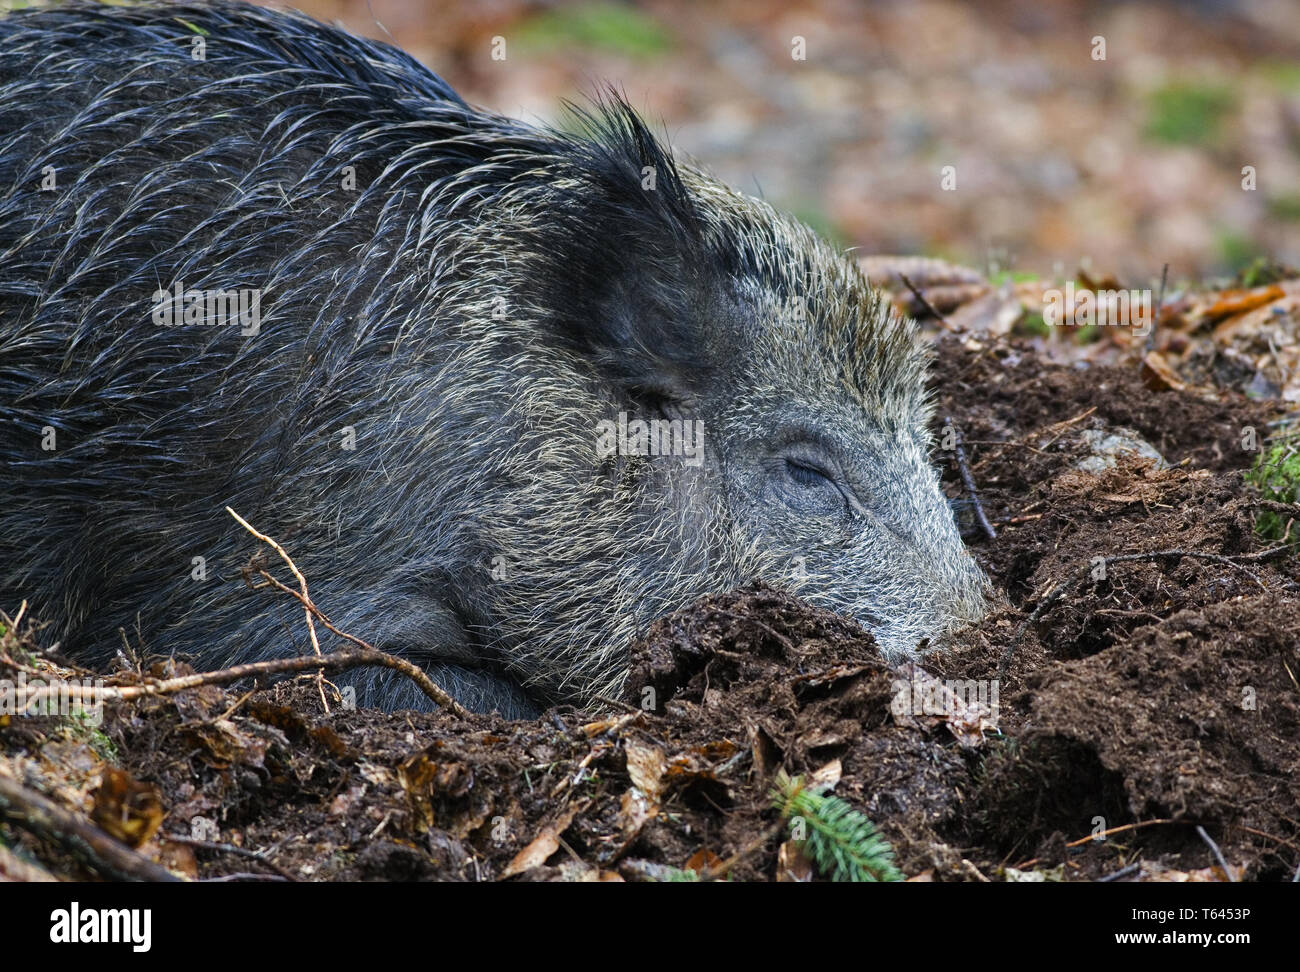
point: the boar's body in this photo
(440, 307)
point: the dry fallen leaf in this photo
(645, 767)
(441, 794)
(546, 843)
(791, 865)
(1152, 871)
(995, 313)
(127, 809)
(1159, 375)
(634, 809)
(1225, 303)
(225, 743)
(922, 699)
(828, 775)
(702, 860)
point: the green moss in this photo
(1188, 114)
(1032, 325)
(1012, 276)
(1276, 474)
(609, 27)
(1285, 207)
(1284, 74)
(1237, 251)
(81, 726)
(1089, 334)
(1263, 271)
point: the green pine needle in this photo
(842, 843)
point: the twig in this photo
(338, 660)
(306, 601)
(969, 481)
(616, 703)
(235, 705)
(928, 307)
(230, 849)
(599, 749)
(30, 811)
(1058, 427)
(1218, 854)
(1259, 833)
(441, 697)
(1115, 830)
(12, 625)
(1123, 872)
(722, 868)
(1155, 311)
(312, 611)
(1025, 518)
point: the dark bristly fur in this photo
(485, 295)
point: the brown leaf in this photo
(702, 860)
(127, 809)
(996, 312)
(1229, 302)
(924, 272)
(922, 699)
(546, 843)
(431, 785)
(635, 808)
(646, 766)
(828, 775)
(1159, 375)
(791, 865)
(178, 858)
(226, 744)
(1152, 871)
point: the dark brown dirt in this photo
(1159, 696)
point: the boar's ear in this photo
(634, 271)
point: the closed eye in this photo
(806, 475)
(809, 481)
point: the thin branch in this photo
(1123, 872)
(969, 481)
(1218, 854)
(926, 305)
(1116, 830)
(332, 661)
(1155, 311)
(723, 868)
(28, 810)
(230, 849)
(306, 601)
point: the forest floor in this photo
(1130, 708)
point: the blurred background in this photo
(1063, 160)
